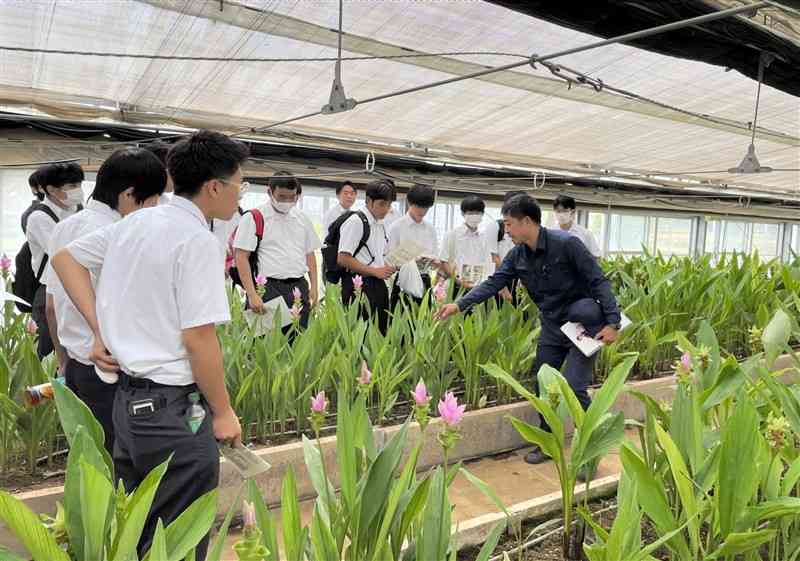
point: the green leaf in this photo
(136, 511)
(290, 511)
(486, 490)
(96, 505)
(791, 478)
(29, 530)
(74, 413)
(742, 542)
(191, 526)
(605, 436)
(737, 480)
(544, 440)
(323, 487)
(685, 427)
(346, 455)
(491, 541)
(215, 553)
(776, 336)
(269, 536)
(436, 522)
(6, 555)
(158, 549)
(322, 541)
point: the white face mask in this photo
(564, 218)
(283, 207)
(473, 220)
(74, 197)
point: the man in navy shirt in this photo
(558, 272)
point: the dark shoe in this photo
(536, 457)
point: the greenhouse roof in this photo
(639, 114)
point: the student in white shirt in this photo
(63, 197)
(160, 295)
(565, 212)
(346, 193)
(129, 179)
(38, 195)
(502, 244)
(413, 227)
(468, 249)
(286, 253)
(367, 261)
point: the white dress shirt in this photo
(224, 228)
(350, 234)
(162, 273)
(74, 333)
(422, 234)
(39, 229)
(585, 236)
(466, 247)
(288, 239)
(331, 215)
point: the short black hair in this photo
(565, 202)
(160, 149)
(421, 196)
(58, 175)
(511, 194)
(201, 157)
(285, 180)
(129, 167)
(381, 190)
(522, 206)
(345, 184)
(36, 181)
(472, 203)
(33, 179)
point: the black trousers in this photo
(397, 293)
(377, 295)
(556, 350)
(44, 346)
(147, 440)
(95, 393)
(284, 288)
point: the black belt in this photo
(126, 381)
(286, 281)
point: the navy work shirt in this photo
(559, 272)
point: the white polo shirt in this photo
(74, 333)
(331, 215)
(422, 234)
(162, 273)
(39, 229)
(466, 247)
(585, 236)
(288, 239)
(350, 234)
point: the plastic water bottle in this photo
(196, 413)
(34, 395)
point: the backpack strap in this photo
(501, 230)
(45, 209)
(258, 218)
(365, 232)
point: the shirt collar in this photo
(60, 212)
(188, 206)
(103, 208)
(541, 243)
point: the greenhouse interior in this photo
(432, 280)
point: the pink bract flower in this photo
(450, 410)
(686, 361)
(249, 515)
(358, 282)
(296, 294)
(420, 394)
(296, 311)
(261, 280)
(366, 374)
(440, 291)
(32, 327)
(319, 403)
(5, 263)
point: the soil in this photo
(16, 479)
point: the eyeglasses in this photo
(244, 187)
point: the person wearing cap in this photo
(560, 275)
(565, 210)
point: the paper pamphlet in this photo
(586, 344)
(8, 297)
(262, 323)
(405, 251)
(425, 263)
(472, 273)
(246, 462)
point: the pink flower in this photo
(296, 311)
(686, 361)
(296, 294)
(420, 394)
(319, 403)
(358, 282)
(261, 280)
(249, 515)
(450, 410)
(366, 374)
(440, 291)
(32, 327)
(5, 263)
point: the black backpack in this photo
(26, 282)
(330, 248)
(501, 230)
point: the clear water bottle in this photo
(196, 413)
